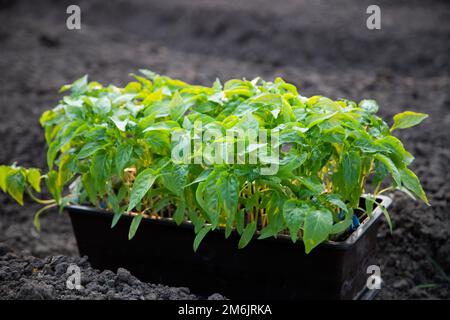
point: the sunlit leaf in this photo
(318, 224)
(141, 186)
(200, 235)
(247, 235)
(134, 226)
(407, 119)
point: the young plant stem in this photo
(37, 224)
(32, 196)
(384, 190)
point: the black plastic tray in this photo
(161, 252)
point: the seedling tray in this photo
(161, 252)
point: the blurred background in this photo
(323, 47)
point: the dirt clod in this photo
(31, 278)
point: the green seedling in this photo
(111, 148)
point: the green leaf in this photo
(369, 201)
(412, 183)
(53, 187)
(159, 142)
(317, 227)
(247, 235)
(79, 86)
(312, 183)
(208, 199)
(141, 186)
(89, 186)
(267, 232)
(149, 74)
(407, 119)
(267, 98)
(397, 151)
(118, 212)
(121, 119)
(51, 153)
(202, 177)
(217, 85)
(4, 171)
(294, 212)
(274, 211)
(101, 169)
(351, 167)
(15, 183)
(391, 167)
(388, 218)
(174, 178)
(228, 189)
(123, 156)
(196, 219)
(343, 225)
(34, 179)
(163, 126)
(346, 179)
(178, 216)
(178, 107)
(337, 201)
(102, 106)
(319, 118)
(134, 226)
(70, 131)
(369, 105)
(116, 218)
(240, 220)
(67, 169)
(200, 235)
(366, 145)
(380, 172)
(290, 164)
(89, 149)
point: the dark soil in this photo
(31, 278)
(323, 47)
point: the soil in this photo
(32, 278)
(323, 47)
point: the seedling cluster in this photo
(111, 147)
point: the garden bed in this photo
(400, 78)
